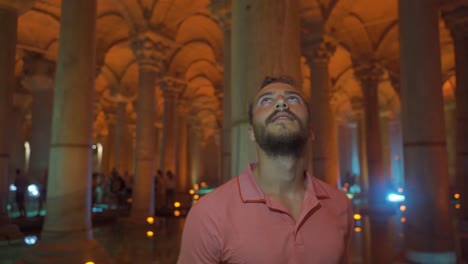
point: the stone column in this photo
(358, 108)
(195, 159)
(67, 234)
(369, 74)
(428, 229)
(325, 145)
(149, 50)
(222, 10)
(455, 14)
(119, 137)
(172, 88)
(9, 11)
(183, 108)
(38, 78)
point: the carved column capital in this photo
(150, 49)
(369, 71)
(183, 106)
(455, 14)
(172, 87)
(221, 10)
(38, 72)
(318, 50)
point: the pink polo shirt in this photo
(239, 223)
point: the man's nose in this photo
(281, 104)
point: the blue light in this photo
(12, 187)
(30, 240)
(33, 190)
(97, 209)
(395, 198)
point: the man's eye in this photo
(265, 100)
(294, 99)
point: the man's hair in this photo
(269, 80)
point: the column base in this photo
(66, 252)
(9, 232)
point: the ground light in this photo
(30, 240)
(33, 190)
(395, 198)
(150, 220)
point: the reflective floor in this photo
(377, 239)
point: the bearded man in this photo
(274, 211)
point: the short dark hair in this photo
(269, 80)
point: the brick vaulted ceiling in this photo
(362, 29)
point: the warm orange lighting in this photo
(345, 189)
(149, 233)
(192, 191)
(400, 190)
(129, 200)
(196, 187)
(357, 229)
(457, 206)
(456, 196)
(203, 184)
(89, 262)
(150, 220)
(176, 212)
(403, 219)
(357, 217)
(196, 197)
(403, 208)
(176, 204)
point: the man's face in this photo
(280, 123)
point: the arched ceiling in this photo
(362, 29)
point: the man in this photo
(21, 189)
(273, 212)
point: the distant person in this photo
(42, 191)
(273, 212)
(170, 189)
(21, 184)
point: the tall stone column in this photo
(428, 229)
(67, 231)
(183, 108)
(195, 152)
(358, 108)
(172, 88)
(455, 13)
(119, 137)
(222, 10)
(9, 11)
(149, 50)
(369, 74)
(38, 78)
(325, 145)
(268, 46)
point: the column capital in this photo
(455, 14)
(357, 104)
(368, 71)
(183, 106)
(172, 87)
(119, 97)
(18, 5)
(221, 10)
(150, 49)
(318, 49)
(38, 72)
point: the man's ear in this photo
(251, 134)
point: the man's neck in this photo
(280, 175)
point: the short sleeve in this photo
(201, 239)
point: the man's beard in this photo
(284, 143)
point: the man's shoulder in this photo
(220, 196)
(333, 192)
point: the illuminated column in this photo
(172, 88)
(67, 234)
(455, 13)
(222, 11)
(428, 229)
(195, 147)
(38, 78)
(325, 146)
(183, 108)
(110, 142)
(9, 11)
(369, 74)
(17, 133)
(358, 109)
(149, 50)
